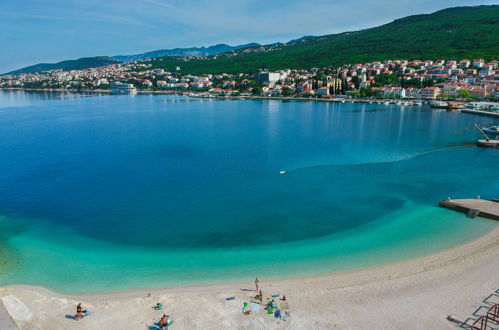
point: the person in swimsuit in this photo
(257, 284)
(164, 321)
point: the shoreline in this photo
(474, 264)
(202, 95)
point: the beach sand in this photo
(415, 294)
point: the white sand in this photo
(416, 294)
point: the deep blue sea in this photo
(114, 192)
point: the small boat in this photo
(491, 130)
(439, 104)
(282, 172)
(494, 144)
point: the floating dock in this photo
(481, 112)
(474, 207)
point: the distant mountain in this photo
(301, 39)
(181, 52)
(453, 33)
(79, 64)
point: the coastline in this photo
(422, 291)
(201, 95)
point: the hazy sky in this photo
(33, 31)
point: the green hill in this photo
(79, 64)
(454, 33)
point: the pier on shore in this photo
(474, 207)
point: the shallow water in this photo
(123, 192)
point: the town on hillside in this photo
(474, 79)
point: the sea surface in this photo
(115, 192)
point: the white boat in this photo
(491, 130)
(438, 104)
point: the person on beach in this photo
(257, 284)
(79, 311)
(163, 322)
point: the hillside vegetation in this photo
(79, 64)
(454, 33)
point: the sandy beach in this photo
(414, 294)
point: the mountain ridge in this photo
(78, 64)
(456, 32)
(467, 31)
(193, 51)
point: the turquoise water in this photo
(101, 193)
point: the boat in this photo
(452, 105)
(439, 104)
(491, 130)
(494, 144)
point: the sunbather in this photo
(164, 321)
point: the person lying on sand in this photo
(164, 321)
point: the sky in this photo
(35, 31)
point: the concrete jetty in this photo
(474, 207)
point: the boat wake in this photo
(377, 162)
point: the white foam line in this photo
(380, 162)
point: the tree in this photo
(257, 90)
(465, 94)
(355, 94)
(286, 91)
(356, 81)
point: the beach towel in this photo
(284, 306)
(255, 308)
(277, 314)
